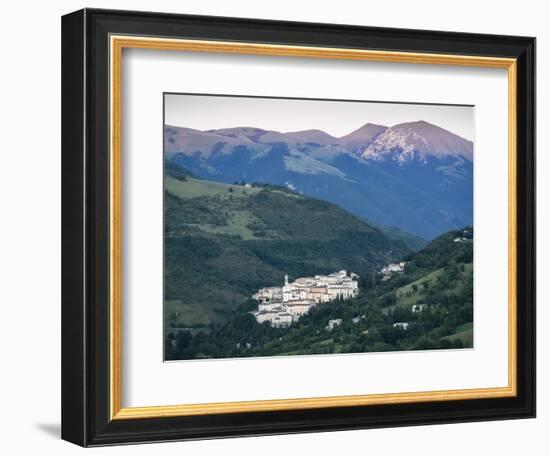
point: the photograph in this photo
(300, 227)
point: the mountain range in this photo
(415, 176)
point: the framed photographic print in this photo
(278, 227)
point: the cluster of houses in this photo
(392, 268)
(280, 306)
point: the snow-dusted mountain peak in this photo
(420, 139)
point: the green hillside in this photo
(439, 278)
(412, 241)
(223, 242)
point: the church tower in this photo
(286, 280)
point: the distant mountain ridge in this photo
(415, 176)
(370, 141)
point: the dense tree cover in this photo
(438, 278)
(178, 172)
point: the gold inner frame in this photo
(117, 44)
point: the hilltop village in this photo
(280, 306)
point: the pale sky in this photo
(338, 118)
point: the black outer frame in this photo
(85, 227)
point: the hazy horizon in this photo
(212, 112)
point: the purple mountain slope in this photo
(361, 137)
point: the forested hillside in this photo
(223, 242)
(427, 306)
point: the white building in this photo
(277, 304)
(401, 324)
(277, 318)
(333, 323)
(418, 307)
(298, 308)
(282, 320)
(269, 306)
(393, 267)
(268, 294)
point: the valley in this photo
(427, 306)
